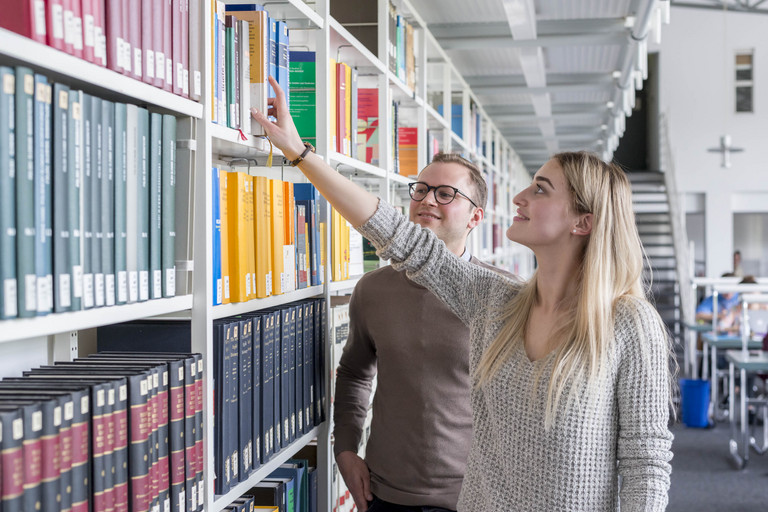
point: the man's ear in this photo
(583, 225)
(477, 217)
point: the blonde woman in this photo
(571, 376)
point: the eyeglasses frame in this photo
(430, 188)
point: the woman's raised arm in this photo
(354, 203)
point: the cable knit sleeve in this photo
(644, 442)
(427, 261)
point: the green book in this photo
(108, 200)
(74, 179)
(62, 277)
(155, 198)
(120, 180)
(97, 168)
(168, 210)
(142, 202)
(85, 211)
(303, 96)
(8, 299)
(43, 195)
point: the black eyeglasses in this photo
(444, 194)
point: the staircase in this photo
(654, 224)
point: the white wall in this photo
(696, 67)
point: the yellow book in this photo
(267, 508)
(263, 237)
(278, 235)
(336, 237)
(348, 112)
(223, 210)
(250, 236)
(332, 102)
(345, 227)
(239, 277)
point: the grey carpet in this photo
(703, 479)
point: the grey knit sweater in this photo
(514, 463)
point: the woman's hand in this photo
(281, 132)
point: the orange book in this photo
(250, 236)
(223, 209)
(278, 236)
(239, 277)
(336, 240)
(263, 236)
(332, 103)
(289, 216)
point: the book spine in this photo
(148, 35)
(11, 456)
(176, 434)
(299, 373)
(28, 20)
(100, 33)
(168, 208)
(110, 492)
(216, 217)
(277, 381)
(99, 448)
(267, 388)
(81, 461)
(61, 168)
(199, 456)
(74, 180)
(159, 27)
(54, 16)
(185, 44)
(138, 451)
(195, 60)
(85, 193)
(42, 200)
(132, 199)
(176, 46)
(257, 453)
(108, 201)
(142, 203)
(135, 39)
(245, 379)
(8, 280)
(154, 442)
(163, 438)
(155, 199)
(120, 449)
(167, 14)
(190, 399)
(32, 452)
(120, 210)
(114, 34)
(25, 191)
(309, 312)
(97, 168)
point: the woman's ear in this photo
(583, 225)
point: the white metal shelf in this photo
(62, 67)
(54, 323)
(345, 164)
(222, 501)
(346, 285)
(296, 12)
(359, 56)
(228, 142)
(238, 308)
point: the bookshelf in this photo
(437, 86)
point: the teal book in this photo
(131, 201)
(108, 200)
(26, 279)
(97, 169)
(120, 181)
(74, 179)
(303, 96)
(42, 196)
(62, 277)
(142, 203)
(155, 197)
(168, 208)
(9, 306)
(85, 213)
(229, 70)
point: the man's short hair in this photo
(476, 177)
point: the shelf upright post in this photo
(447, 107)
(420, 38)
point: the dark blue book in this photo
(299, 373)
(289, 325)
(256, 412)
(245, 403)
(321, 324)
(221, 360)
(308, 333)
(267, 386)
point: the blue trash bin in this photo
(694, 395)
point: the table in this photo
(745, 362)
(691, 360)
(721, 342)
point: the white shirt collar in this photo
(466, 255)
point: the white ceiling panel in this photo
(583, 59)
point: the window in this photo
(744, 81)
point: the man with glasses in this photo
(422, 422)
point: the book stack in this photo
(81, 433)
(268, 385)
(88, 191)
(156, 42)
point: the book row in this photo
(87, 199)
(268, 238)
(248, 46)
(268, 384)
(156, 42)
(291, 487)
(114, 431)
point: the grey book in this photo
(74, 180)
(120, 179)
(8, 299)
(142, 202)
(97, 168)
(43, 195)
(168, 208)
(155, 198)
(86, 218)
(108, 200)
(62, 277)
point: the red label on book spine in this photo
(13, 473)
(33, 460)
(79, 443)
(51, 461)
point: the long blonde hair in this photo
(610, 268)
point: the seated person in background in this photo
(725, 302)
